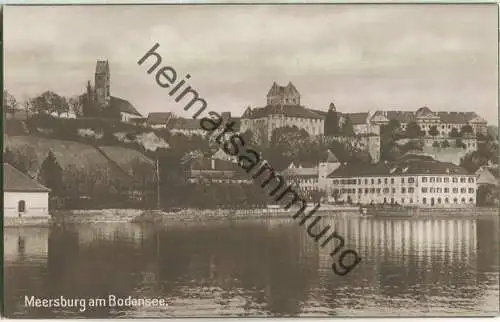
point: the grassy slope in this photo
(125, 157)
(70, 152)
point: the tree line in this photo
(48, 102)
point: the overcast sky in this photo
(361, 57)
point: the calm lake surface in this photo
(258, 268)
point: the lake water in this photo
(258, 268)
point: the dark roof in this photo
(219, 165)
(401, 116)
(445, 117)
(159, 117)
(410, 166)
(16, 181)
(494, 171)
(331, 157)
(287, 110)
(180, 123)
(319, 112)
(357, 118)
(456, 117)
(102, 66)
(122, 105)
(300, 172)
(282, 90)
(423, 111)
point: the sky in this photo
(361, 57)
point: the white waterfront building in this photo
(413, 181)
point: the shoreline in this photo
(191, 214)
(61, 217)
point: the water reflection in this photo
(259, 267)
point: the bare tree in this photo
(9, 103)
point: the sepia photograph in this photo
(251, 160)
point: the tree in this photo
(413, 130)
(75, 105)
(286, 144)
(433, 131)
(9, 103)
(248, 136)
(459, 143)
(49, 102)
(27, 107)
(14, 159)
(50, 175)
(466, 129)
(445, 144)
(332, 121)
(454, 133)
(390, 129)
(347, 127)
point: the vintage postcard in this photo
(250, 160)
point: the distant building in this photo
(488, 175)
(186, 126)
(305, 179)
(283, 109)
(412, 181)
(158, 120)
(213, 170)
(325, 168)
(98, 102)
(426, 119)
(23, 196)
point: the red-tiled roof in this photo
(16, 181)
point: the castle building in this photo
(97, 101)
(282, 109)
(411, 181)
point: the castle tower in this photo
(283, 95)
(102, 83)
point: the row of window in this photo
(432, 201)
(446, 190)
(446, 201)
(403, 180)
(447, 179)
(372, 181)
(405, 190)
(375, 190)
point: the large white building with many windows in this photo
(412, 181)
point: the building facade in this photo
(414, 181)
(23, 196)
(283, 109)
(158, 120)
(444, 122)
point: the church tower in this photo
(102, 83)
